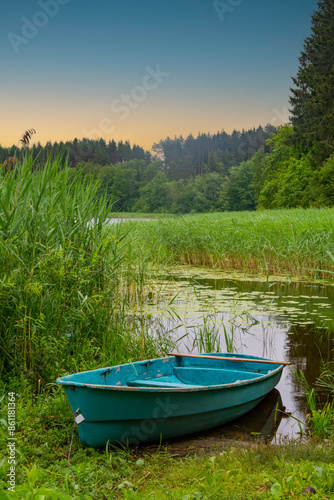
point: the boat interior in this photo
(174, 372)
(195, 376)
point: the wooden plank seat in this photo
(169, 381)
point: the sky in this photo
(142, 70)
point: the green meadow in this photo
(73, 291)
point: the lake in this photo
(276, 317)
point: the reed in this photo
(321, 416)
(206, 337)
(290, 241)
(68, 280)
(60, 306)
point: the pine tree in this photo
(312, 97)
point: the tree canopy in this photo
(260, 168)
(312, 100)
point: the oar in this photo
(230, 358)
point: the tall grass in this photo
(293, 241)
(67, 279)
(207, 336)
(58, 273)
(321, 416)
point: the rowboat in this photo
(166, 397)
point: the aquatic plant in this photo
(289, 241)
(207, 336)
(321, 416)
(58, 278)
(326, 378)
(25, 139)
(321, 420)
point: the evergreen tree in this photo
(312, 97)
(112, 152)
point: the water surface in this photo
(271, 317)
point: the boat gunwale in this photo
(190, 388)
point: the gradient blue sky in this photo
(71, 72)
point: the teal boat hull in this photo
(165, 397)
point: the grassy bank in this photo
(234, 470)
(271, 242)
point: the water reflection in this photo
(263, 421)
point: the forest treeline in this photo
(207, 173)
(290, 166)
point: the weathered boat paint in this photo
(165, 397)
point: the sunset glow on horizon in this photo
(142, 71)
